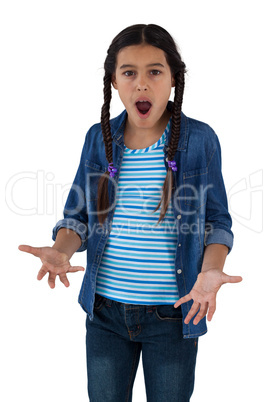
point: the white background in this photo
(52, 56)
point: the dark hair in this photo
(135, 35)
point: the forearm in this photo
(214, 257)
(67, 241)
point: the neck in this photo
(143, 137)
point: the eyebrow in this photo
(149, 65)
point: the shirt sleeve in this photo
(218, 219)
(75, 211)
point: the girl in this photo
(148, 203)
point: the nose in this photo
(142, 88)
(142, 84)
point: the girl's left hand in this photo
(204, 294)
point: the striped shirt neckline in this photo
(161, 140)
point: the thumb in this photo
(231, 279)
(36, 251)
(76, 268)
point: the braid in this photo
(105, 117)
(176, 115)
(103, 197)
(173, 143)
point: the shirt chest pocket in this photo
(93, 173)
(195, 187)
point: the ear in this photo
(173, 82)
(114, 83)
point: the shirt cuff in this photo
(79, 227)
(219, 236)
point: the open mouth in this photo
(143, 107)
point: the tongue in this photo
(143, 106)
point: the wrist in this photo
(214, 257)
(206, 268)
(67, 242)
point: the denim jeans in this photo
(114, 341)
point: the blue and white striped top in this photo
(137, 265)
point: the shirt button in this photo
(179, 245)
(179, 271)
(178, 216)
(167, 159)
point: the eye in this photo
(128, 73)
(155, 72)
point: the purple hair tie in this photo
(173, 165)
(112, 169)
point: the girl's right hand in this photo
(54, 262)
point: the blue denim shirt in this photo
(198, 200)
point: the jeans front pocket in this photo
(168, 312)
(99, 302)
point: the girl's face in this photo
(143, 79)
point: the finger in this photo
(64, 280)
(42, 272)
(192, 312)
(36, 251)
(51, 280)
(211, 311)
(182, 300)
(202, 312)
(76, 268)
(231, 279)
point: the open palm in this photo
(54, 263)
(204, 294)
